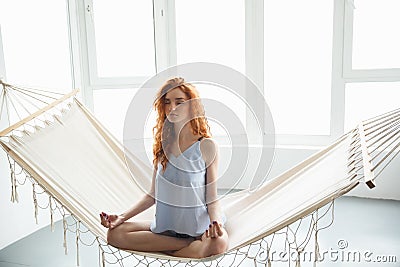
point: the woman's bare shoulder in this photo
(208, 143)
(208, 148)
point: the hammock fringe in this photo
(14, 192)
(51, 214)
(35, 203)
(65, 227)
(102, 254)
(77, 245)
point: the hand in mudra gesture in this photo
(214, 230)
(111, 221)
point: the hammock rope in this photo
(110, 255)
(29, 105)
(381, 144)
(27, 100)
(380, 116)
(372, 147)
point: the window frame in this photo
(337, 88)
(166, 56)
(3, 74)
(361, 75)
(96, 81)
(82, 45)
(342, 73)
(350, 74)
(84, 56)
(3, 69)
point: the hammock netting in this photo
(78, 169)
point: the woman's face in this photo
(176, 106)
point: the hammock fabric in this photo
(78, 162)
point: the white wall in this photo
(17, 218)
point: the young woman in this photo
(188, 220)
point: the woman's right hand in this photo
(111, 221)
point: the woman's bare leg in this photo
(137, 236)
(196, 249)
(207, 246)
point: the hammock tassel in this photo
(48, 122)
(103, 258)
(316, 250)
(269, 256)
(35, 203)
(57, 118)
(77, 245)
(299, 251)
(14, 194)
(298, 261)
(65, 227)
(51, 214)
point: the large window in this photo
(371, 59)
(36, 43)
(124, 38)
(121, 56)
(211, 31)
(208, 31)
(297, 65)
(376, 40)
(129, 41)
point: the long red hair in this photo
(163, 131)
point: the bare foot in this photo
(215, 239)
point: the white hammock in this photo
(83, 167)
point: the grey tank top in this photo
(180, 194)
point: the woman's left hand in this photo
(111, 221)
(214, 230)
